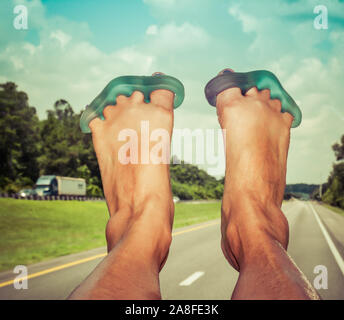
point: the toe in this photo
(288, 118)
(107, 112)
(95, 124)
(265, 94)
(228, 96)
(162, 98)
(121, 99)
(253, 92)
(275, 104)
(137, 97)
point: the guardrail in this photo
(51, 198)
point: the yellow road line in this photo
(195, 228)
(101, 255)
(62, 266)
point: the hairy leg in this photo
(255, 231)
(139, 200)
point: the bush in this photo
(10, 186)
(334, 195)
(190, 182)
(186, 191)
(218, 192)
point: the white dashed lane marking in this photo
(330, 243)
(191, 279)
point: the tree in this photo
(92, 183)
(189, 182)
(19, 136)
(65, 150)
(334, 194)
(339, 149)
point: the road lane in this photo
(196, 249)
(309, 249)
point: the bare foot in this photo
(257, 141)
(129, 187)
(138, 197)
(254, 229)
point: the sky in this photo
(72, 49)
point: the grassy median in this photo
(32, 231)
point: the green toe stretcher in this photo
(126, 85)
(261, 79)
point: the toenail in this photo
(158, 74)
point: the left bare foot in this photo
(138, 197)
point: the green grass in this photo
(335, 209)
(191, 213)
(32, 231)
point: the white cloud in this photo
(249, 23)
(177, 37)
(317, 87)
(61, 37)
(282, 26)
(73, 70)
(152, 30)
(66, 65)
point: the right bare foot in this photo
(257, 141)
(255, 231)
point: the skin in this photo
(254, 230)
(139, 199)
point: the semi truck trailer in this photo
(57, 186)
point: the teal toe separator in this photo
(262, 79)
(126, 85)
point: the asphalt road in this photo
(196, 268)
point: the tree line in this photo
(333, 190)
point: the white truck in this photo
(58, 186)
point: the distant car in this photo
(175, 199)
(24, 193)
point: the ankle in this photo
(146, 229)
(248, 227)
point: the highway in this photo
(196, 267)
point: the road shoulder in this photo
(334, 224)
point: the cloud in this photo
(152, 30)
(317, 87)
(281, 27)
(65, 64)
(176, 37)
(58, 68)
(249, 23)
(61, 37)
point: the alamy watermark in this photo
(20, 21)
(21, 281)
(321, 280)
(198, 146)
(321, 20)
